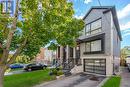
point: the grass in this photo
(28, 79)
(114, 81)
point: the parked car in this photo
(31, 67)
(16, 65)
(128, 66)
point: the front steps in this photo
(77, 69)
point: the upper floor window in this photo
(93, 28)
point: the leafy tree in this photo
(42, 21)
(23, 59)
(124, 53)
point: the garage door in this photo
(97, 66)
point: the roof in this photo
(115, 19)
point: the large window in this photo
(93, 28)
(96, 45)
(93, 46)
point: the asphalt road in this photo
(125, 77)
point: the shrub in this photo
(59, 73)
(56, 71)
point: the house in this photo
(45, 56)
(98, 48)
(128, 60)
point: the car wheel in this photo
(29, 69)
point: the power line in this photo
(104, 14)
(99, 2)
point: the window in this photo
(88, 29)
(88, 47)
(96, 45)
(93, 46)
(93, 28)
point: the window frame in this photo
(90, 32)
(94, 52)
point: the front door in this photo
(64, 54)
(78, 55)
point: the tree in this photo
(124, 53)
(42, 21)
(123, 56)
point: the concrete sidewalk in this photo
(81, 80)
(125, 77)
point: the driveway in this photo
(125, 77)
(80, 80)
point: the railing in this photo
(68, 64)
(78, 61)
(71, 62)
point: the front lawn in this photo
(114, 81)
(28, 79)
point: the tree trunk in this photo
(2, 71)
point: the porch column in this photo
(67, 52)
(74, 52)
(61, 54)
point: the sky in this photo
(81, 7)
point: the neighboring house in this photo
(46, 56)
(98, 47)
(128, 59)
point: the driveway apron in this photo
(81, 80)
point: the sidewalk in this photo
(125, 77)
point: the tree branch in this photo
(18, 51)
(10, 35)
(13, 27)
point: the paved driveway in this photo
(125, 77)
(81, 80)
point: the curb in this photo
(102, 83)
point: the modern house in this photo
(98, 48)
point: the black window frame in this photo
(98, 37)
(101, 51)
(90, 32)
